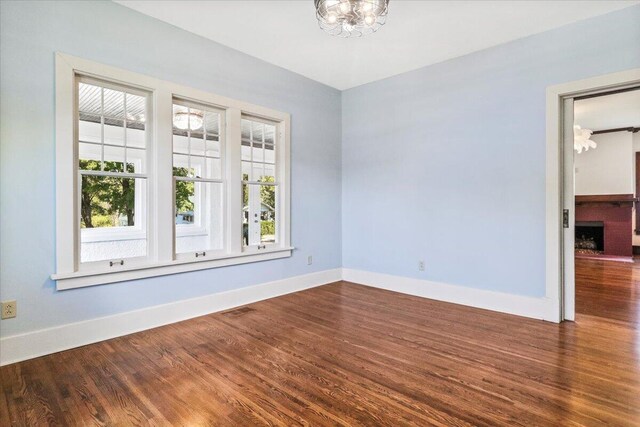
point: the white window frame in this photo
(161, 259)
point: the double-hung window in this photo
(259, 184)
(198, 179)
(156, 178)
(112, 172)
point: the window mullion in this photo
(101, 128)
(163, 210)
(283, 176)
(233, 176)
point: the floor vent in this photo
(239, 311)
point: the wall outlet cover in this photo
(9, 309)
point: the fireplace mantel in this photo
(614, 199)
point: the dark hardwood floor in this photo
(345, 354)
(608, 289)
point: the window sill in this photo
(81, 279)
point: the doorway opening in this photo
(606, 187)
(600, 194)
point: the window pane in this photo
(268, 214)
(258, 214)
(245, 126)
(197, 145)
(89, 156)
(136, 111)
(114, 105)
(258, 153)
(89, 99)
(196, 121)
(212, 123)
(112, 221)
(135, 136)
(214, 168)
(185, 203)
(255, 150)
(213, 148)
(245, 151)
(196, 135)
(135, 160)
(257, 131)
(180, 144)
(269, 154)
(269, 173)
(257, 171)
(198, 216)
(89, 128)
(180, 121)
(246, 171)
(269, 134)
(102, 116)
(114, 159)
(181, 166)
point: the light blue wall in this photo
(447, 163)
(444, 164)
(114, 35)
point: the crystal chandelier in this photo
(347, 18)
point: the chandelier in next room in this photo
(582, 139)
(351, 18)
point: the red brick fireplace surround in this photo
(615, 211)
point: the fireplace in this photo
(589, 237)
(607, 220)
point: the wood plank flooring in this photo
(345, 354)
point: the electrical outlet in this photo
(309, 260)
(421, 265)
(9, 309)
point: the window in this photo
(111, 138)
(155, 178)
(259, 185)
(198, 179)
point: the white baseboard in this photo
(536, 308)
(46, 341)
(16, 348)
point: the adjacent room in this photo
(320, 212)
(607, 187)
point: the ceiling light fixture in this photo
(351, 18)
(581, 139)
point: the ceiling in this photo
(417, 33)
(608, 112)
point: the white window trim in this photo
(160, 220)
